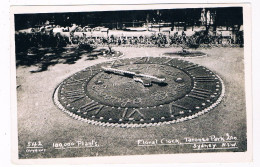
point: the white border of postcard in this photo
(162, 158)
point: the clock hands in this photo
(145, 79)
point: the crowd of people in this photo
(26, 40)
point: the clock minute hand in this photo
(117, 71)
(143, 78)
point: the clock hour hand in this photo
(146, 80)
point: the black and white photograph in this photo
(131, 81)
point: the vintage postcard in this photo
(153, 83)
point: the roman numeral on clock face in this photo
(204, 79)
(200, 94)
(75, 95)
(176, 106)
(75, 81)
(92, 106)
(129, 114)
(117, 63)
(87, 73)
(168, 61)
(191, 67)
(142, 60)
